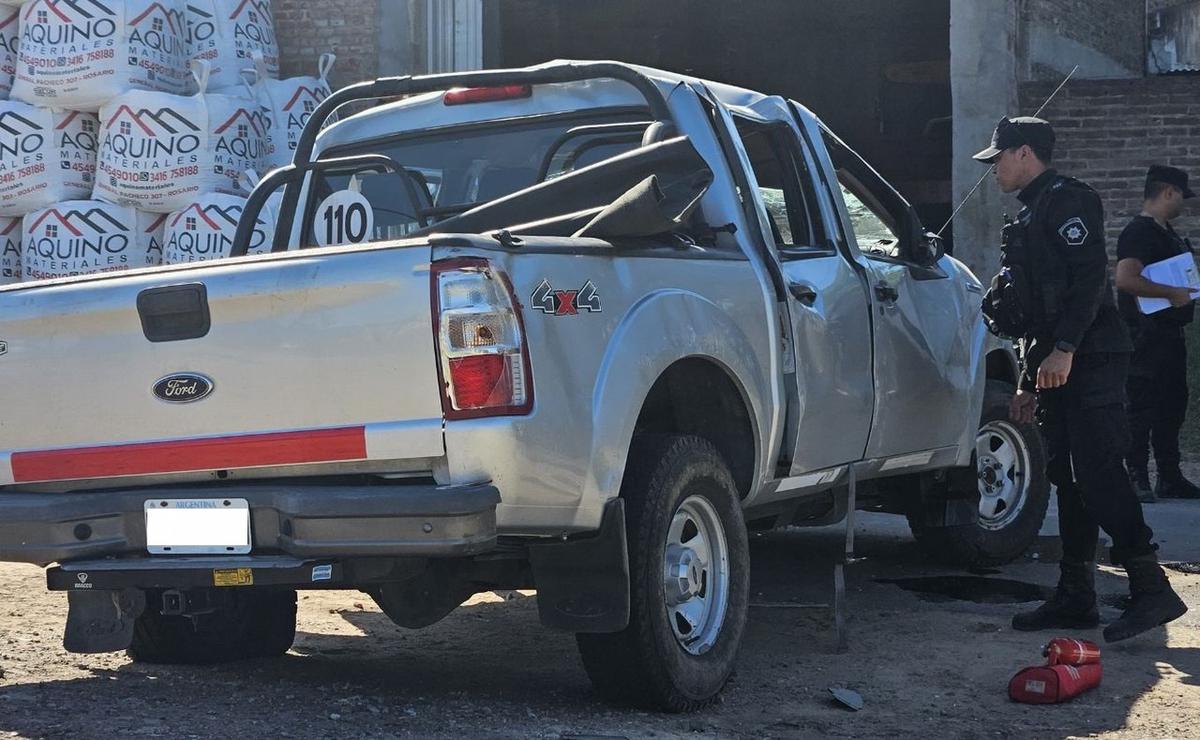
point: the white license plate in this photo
(198, 526)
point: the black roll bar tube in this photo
(390, 87)
(289, 173)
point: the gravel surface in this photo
(934, 661)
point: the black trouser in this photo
(1158, 397)
(1086, 434)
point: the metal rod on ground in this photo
(839, 607)
(992, 169)
(851, 508)
(839, 568)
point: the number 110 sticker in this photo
(345, 217)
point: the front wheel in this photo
(1010, 464)
(689, 569)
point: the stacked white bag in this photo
(204, 230)
(10, 43)
(80, 54)
(10, 250)
(46, 156)
(80, 237)
(155, 177)
(158, 151)
(227, 34)
(288, 105)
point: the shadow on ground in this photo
(925, 656)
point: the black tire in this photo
(255, 624)
(645, 665)
(1008, 536)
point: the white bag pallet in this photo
(289, 104)
(204, 230)
(80, 54)
(82, 237)
(10, 250)
(227, 34)
(158, 152)
(45, 156)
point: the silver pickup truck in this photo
(577, 327)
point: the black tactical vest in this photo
(1026, 298)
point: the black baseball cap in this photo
(1171, 176)
(1013, 132)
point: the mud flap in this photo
(102, 621)
(583, 585)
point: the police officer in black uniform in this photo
(1054, 295)
(1157, 385)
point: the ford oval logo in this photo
(183, 388)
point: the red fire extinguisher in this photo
(1053, 684)
(1069, 651)
(1072, 667)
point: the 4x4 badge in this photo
(565, 302)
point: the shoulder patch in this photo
(1073, 232)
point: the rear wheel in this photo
(1010, 465)
(689, 581)
(251, 624)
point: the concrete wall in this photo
(983, 80)
(1106, 38)
(1109, 131)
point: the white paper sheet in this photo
(1179, 272)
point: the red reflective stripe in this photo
(212, 453)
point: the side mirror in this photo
(930, 248)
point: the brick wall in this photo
(1109, 131)
(1114, 28)
(350, 28)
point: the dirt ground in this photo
(934, 661)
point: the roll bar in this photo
(389, 87)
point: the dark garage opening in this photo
(876, 71)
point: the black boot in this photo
(1141, 485)
(1073, 605)
(1152, 600)
(1172, 484)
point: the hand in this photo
(1022, 407)
(1180, 297)
(1054, 370)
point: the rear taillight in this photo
(468, 95)
(483, 360)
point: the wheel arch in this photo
(648, 379)
(701, 397)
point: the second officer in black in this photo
(1054, 295)
(1158, 384)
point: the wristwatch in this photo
(1065, 346)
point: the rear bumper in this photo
(300, 521)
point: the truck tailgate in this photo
(325, 357)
